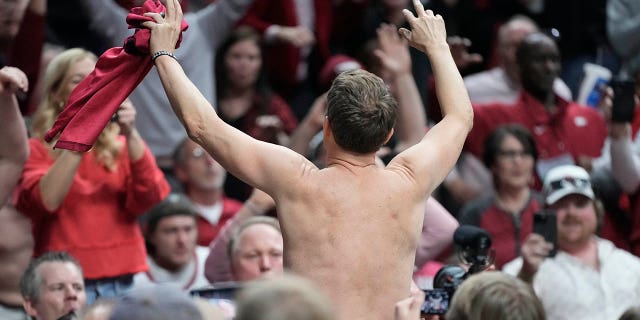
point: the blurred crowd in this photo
(99, 234)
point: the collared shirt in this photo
(569, 289)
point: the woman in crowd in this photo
(245, 99)
(510, 154)
(87, 203)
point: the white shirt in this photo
(188, 278)
(571, 290)
(210, 213)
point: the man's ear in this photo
(30, 307)
(326, 128)
(388, 136)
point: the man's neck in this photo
(349, 160)
(586, 252)
(204, 197)
(546, 98)
(171, 268)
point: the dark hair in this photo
(632, 313)
(262, 87)
(174, 204)
(492, 144)
(31, 280)
(361, 111)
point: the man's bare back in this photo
(352, 227)
(354, 232)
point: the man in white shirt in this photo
(173, 255)
(589, 278)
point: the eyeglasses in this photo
(512, 154)
(198, 153)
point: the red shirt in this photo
(206, 231)
(574, 129)
(97, 222)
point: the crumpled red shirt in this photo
(117, 73)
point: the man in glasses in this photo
(588, 278)
(203, 178)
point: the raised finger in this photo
(170, 9)
(178, 9)
(409, 16)
(419, 8)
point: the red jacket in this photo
(507, 231)
(97, 221)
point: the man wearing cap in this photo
(173, 255)
(589, 278)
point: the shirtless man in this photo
(16, 243)
(352, 227)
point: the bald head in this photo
(538, 59)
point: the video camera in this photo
(474, 249)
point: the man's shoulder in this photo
(609, 252)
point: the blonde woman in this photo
(87, 203)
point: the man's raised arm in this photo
(434, 156)
(260, 164)
(14, 149)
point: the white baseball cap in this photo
(564, 180)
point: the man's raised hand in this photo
(165, 31)
(427, 30)
(393, 52)
(12, 80)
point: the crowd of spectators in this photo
(148, 205)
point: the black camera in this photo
(474, 249)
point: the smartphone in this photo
(623, 100)
(436, 301)
(544, 224)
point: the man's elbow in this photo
(195, 129)
(465, 117)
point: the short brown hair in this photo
(361, 111)
(497, 296)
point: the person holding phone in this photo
(624, 149)
(507, 214)
(589, 278)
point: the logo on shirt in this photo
(580, 121)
